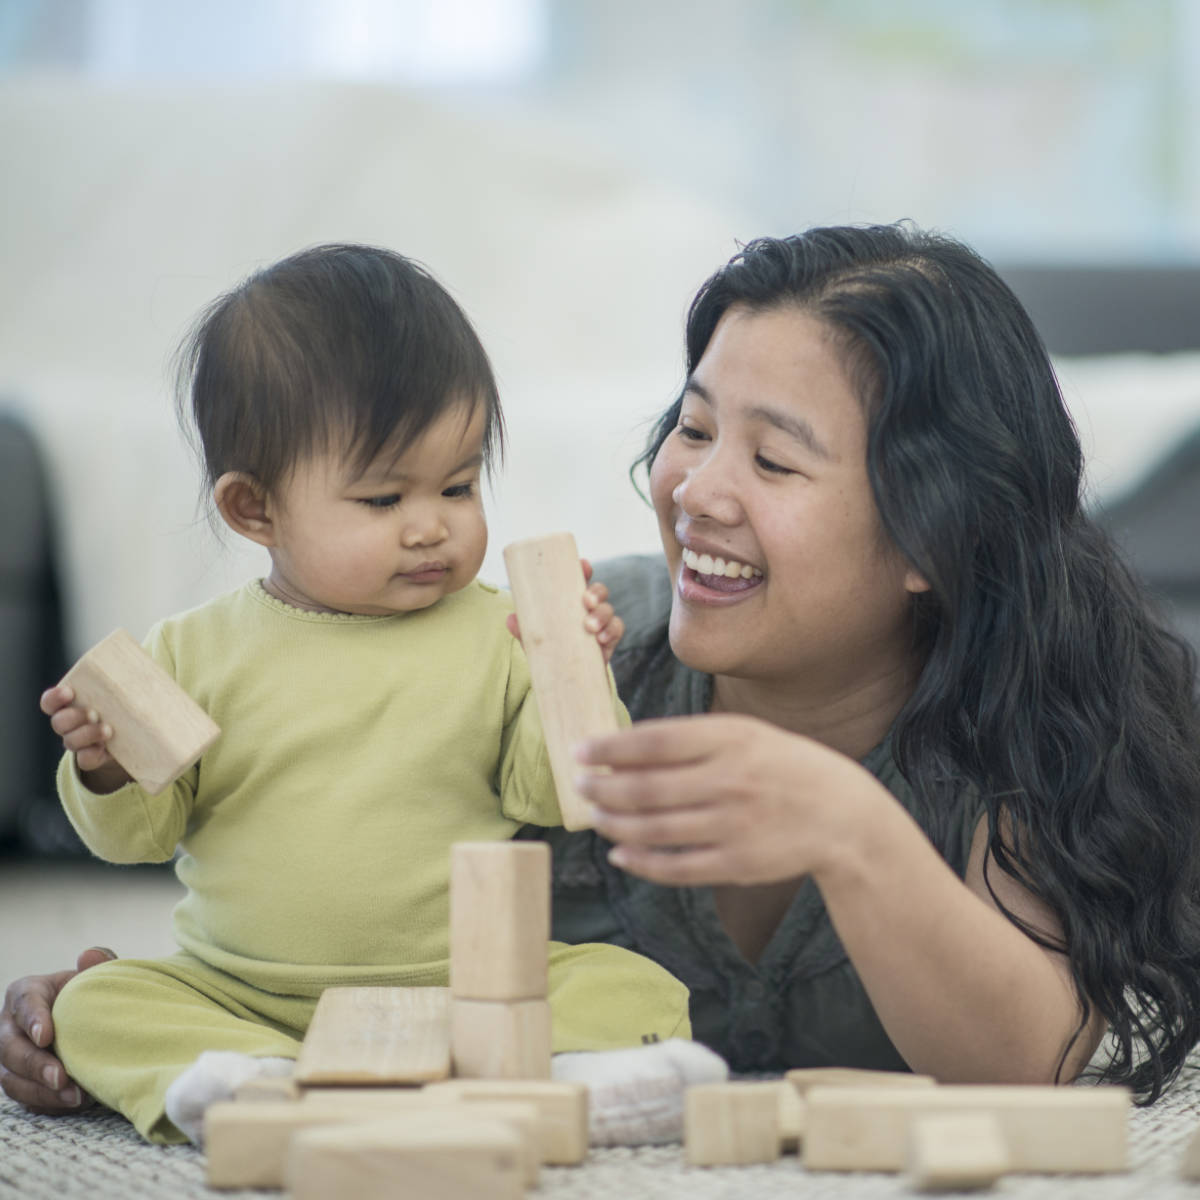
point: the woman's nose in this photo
(706, 491)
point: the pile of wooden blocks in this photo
(423, 1091)
(948, 1137)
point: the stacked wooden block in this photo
(951, 1137)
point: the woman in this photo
(936, 801)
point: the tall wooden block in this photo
(500, 1039)
(958, 1153)
(803, 1078)
(731, 1124)
(1048, 1129)
(377, 1035)
(159, 731)
(499, 920)
(378, 1160)
(562, 1110)
(566, 663)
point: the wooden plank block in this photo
(791, 1118)
(1189, 1168)
(379, 1160)
(1049, 1129)
(803, 1078)
(377, 1035)
(731, 1124)
(566, 663)
(500, 1039)
(562, 1110)
(159, 731)
(267, 1088)
(499, 920)
(246, 1144)
(959, 1152)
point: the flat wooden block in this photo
(499, 1039)
(499, 920)
(803, 1078)
(267, 1089)
(379, 1160)
(562, 1110)
(1048, 1129)
(731, 1124)
(566, 663)
(159, 731)
(960, 1152)
(377, 1035)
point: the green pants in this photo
(125, 1029)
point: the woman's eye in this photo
(460, 491)
(774, 468)
(380, 501)
(690, 433)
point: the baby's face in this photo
(395, 538)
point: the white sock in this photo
(215, 1076)
(635, 1096)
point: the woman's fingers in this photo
(688, 866)
(664, 742)
(691, 826)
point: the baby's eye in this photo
(460, 491)
(380, 501)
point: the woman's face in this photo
(781, 569)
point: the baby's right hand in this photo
(84, 734)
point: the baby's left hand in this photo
(601, 621)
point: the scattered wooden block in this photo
(959, 1152)
(1189, 1168)
(377, 1035)
(499, 920)
(566, 663)
(1048, 1129)
(378, 1160)
(803, 1078)
(562, 1110)
(500, 1039)
(791, 1118)
(731, 1124)
(268, 1089)
(159, 731)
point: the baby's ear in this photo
(242, 502)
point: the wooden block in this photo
(961, 1152)
(562, 1110)
(379, 1160)
(791, 1118)
(500, 1039)
(1189, 1168)
(266, 1089)
(159, 731)
(803, 1078)
(1048, 1129)
(566, 663)
(377, 1035)
(731, 1124)
(247, 1144)
(499, 920)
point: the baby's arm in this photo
(85, 735)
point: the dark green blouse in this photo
(802, 1004)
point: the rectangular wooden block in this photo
(499, 920)
(803, 1078)
(500, 1039)
(791, 1118)
(562, 1110)
(1048, 1129)
(267, 1089)
(377, 1035)
(566, 663)
(731, 1124)
(159, 731)
(379, 1160)
(956, 1153)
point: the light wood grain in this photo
(955, 1153)
(501, 1039)
(731, 1124)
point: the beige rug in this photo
(98, 1157)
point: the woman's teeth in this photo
(706, 564)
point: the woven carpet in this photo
(100, 1156)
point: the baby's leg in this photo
(125, 1030)
(621, 1026)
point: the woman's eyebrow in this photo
(794, 426)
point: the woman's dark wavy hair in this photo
(341, 347)
(1049, 684)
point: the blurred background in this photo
(572, 170)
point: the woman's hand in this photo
(29, 1073)
(719, 798)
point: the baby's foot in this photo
(214, 1076)
(635, 1096)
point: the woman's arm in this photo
(963, 994)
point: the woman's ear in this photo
(242, 503)
(915, 582)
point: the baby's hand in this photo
(86, 735)
(602, 620)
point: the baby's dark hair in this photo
(343, 348)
